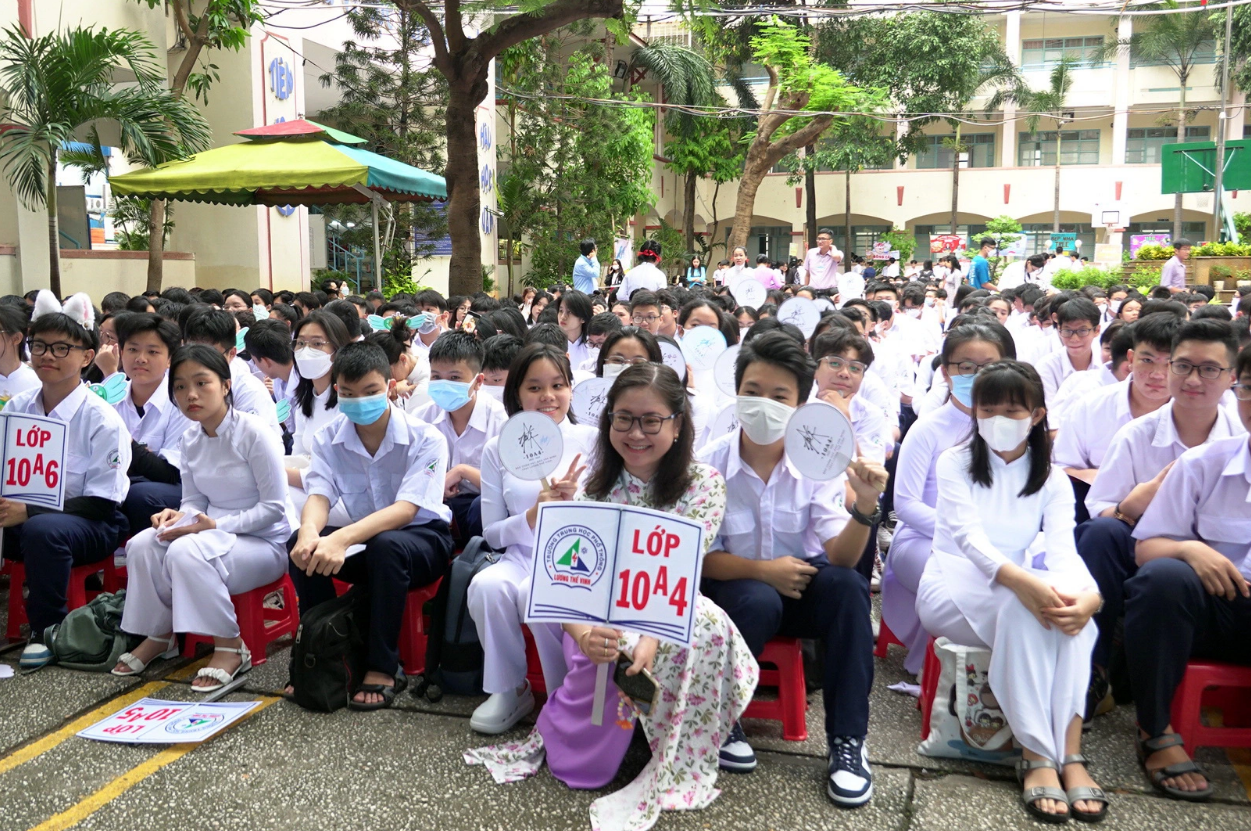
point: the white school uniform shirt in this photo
(1056, 367)
(505, 498)
(22, 379)
(1086, 430)
(579, 351)
(285, 391)
(237, 478)
(981, 529)
(1076, 387)
(916, 484)
(791, 516)
(250, 396)
(307, 426)
(874, 390)
(419, 377)
(485, 421)
(1206, 496)
(410, 466)
(162, 425)
(1144, 447)
(97, 446)
(646, 276)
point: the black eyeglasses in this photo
(649, 424)
(1208, 372)
(58, 350)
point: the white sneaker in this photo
(502, 711)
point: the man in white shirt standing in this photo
(821, 264)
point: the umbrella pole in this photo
(377, 246)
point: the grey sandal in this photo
(1148, 747)
(1031, 796)
(1084, 794)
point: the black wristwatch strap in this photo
(861, 518)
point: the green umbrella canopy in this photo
(292, 163)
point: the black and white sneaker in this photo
(736, 754)
(850, 781)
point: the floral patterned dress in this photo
(703, 691)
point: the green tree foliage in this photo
(587, 167)
(56, 86)
(398, 105)
(1004, 230)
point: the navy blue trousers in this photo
(147, 498)
(50, 545)
(467, 512)
(1107, 546)
(1169, 619)
(834, 608)
(392, 563)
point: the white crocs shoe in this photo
(502, 711)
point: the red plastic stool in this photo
(1225, 686)
(792, 701)
(259, 625)
(76, 594)
(929, 687)
(885, 638)
(414, 628)
(534, 665)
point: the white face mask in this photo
(492, 392)
(913, 312)
(1115, 305)
(312, 363)
(1004, 434)
(763, 420)
(611, 371)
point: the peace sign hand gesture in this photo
(564, 489)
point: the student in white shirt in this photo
(783, 563)
(1190, 598)
(539, 380)
(269, 346)
(498, 353)
(1111, 370)
(843, 359)
(982, 588)
(317, 339)
(410, 368)
(388, 470)
(15, 376)
(645, 275)
(1078, 323)
(1139, 458)
(432, 320)
(219, 329)
(967, 351)
(467, 422)
(152, 419)
(97, 455)
(572, 316)
(180, 579)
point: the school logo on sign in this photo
(194, 723)
(576, 557)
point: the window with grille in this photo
(1045, 53)
(1076, 147)
(1143, 144)
(979, 152)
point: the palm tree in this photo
(1043, 103)
(62, 84)
(1179, 41)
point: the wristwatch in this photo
(1116, 512)
(865, 520)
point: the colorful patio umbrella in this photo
(291, 163)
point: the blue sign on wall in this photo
(281, 79)
(440, 247)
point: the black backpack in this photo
(328, 659)
(453, 651)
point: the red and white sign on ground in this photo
(152, 721)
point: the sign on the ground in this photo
(152, 721)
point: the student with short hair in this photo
(1190, 598)
(539, 380)
(153, 420)
(1077, 322)
(981, 587)
(1111, 371)
(387, 469)
(784, 560)
(269, 346)
(466, 420)
(498, 353)
(305, 302)
(217, 328)
(50, 543)
(180, 579)
(573, 315)
(1137, 461)
(843, 360)
(431, 321)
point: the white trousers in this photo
(186, 586)
(1039, 675)
(909, 552)
(497, 601)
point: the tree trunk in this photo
(955, 182)
(54, 242)
(1181, 137)
(810, 186)
(156, 245)
(848, 241)
(464, 205)
(1055, 220)
(745, 205)
(688, 212)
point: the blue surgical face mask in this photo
(962, 388)
(449, 395)
(364, 410)
(240, 343)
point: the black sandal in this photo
(387, 691)
(1147, 747)
(1084, 794)
(1031, 796)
